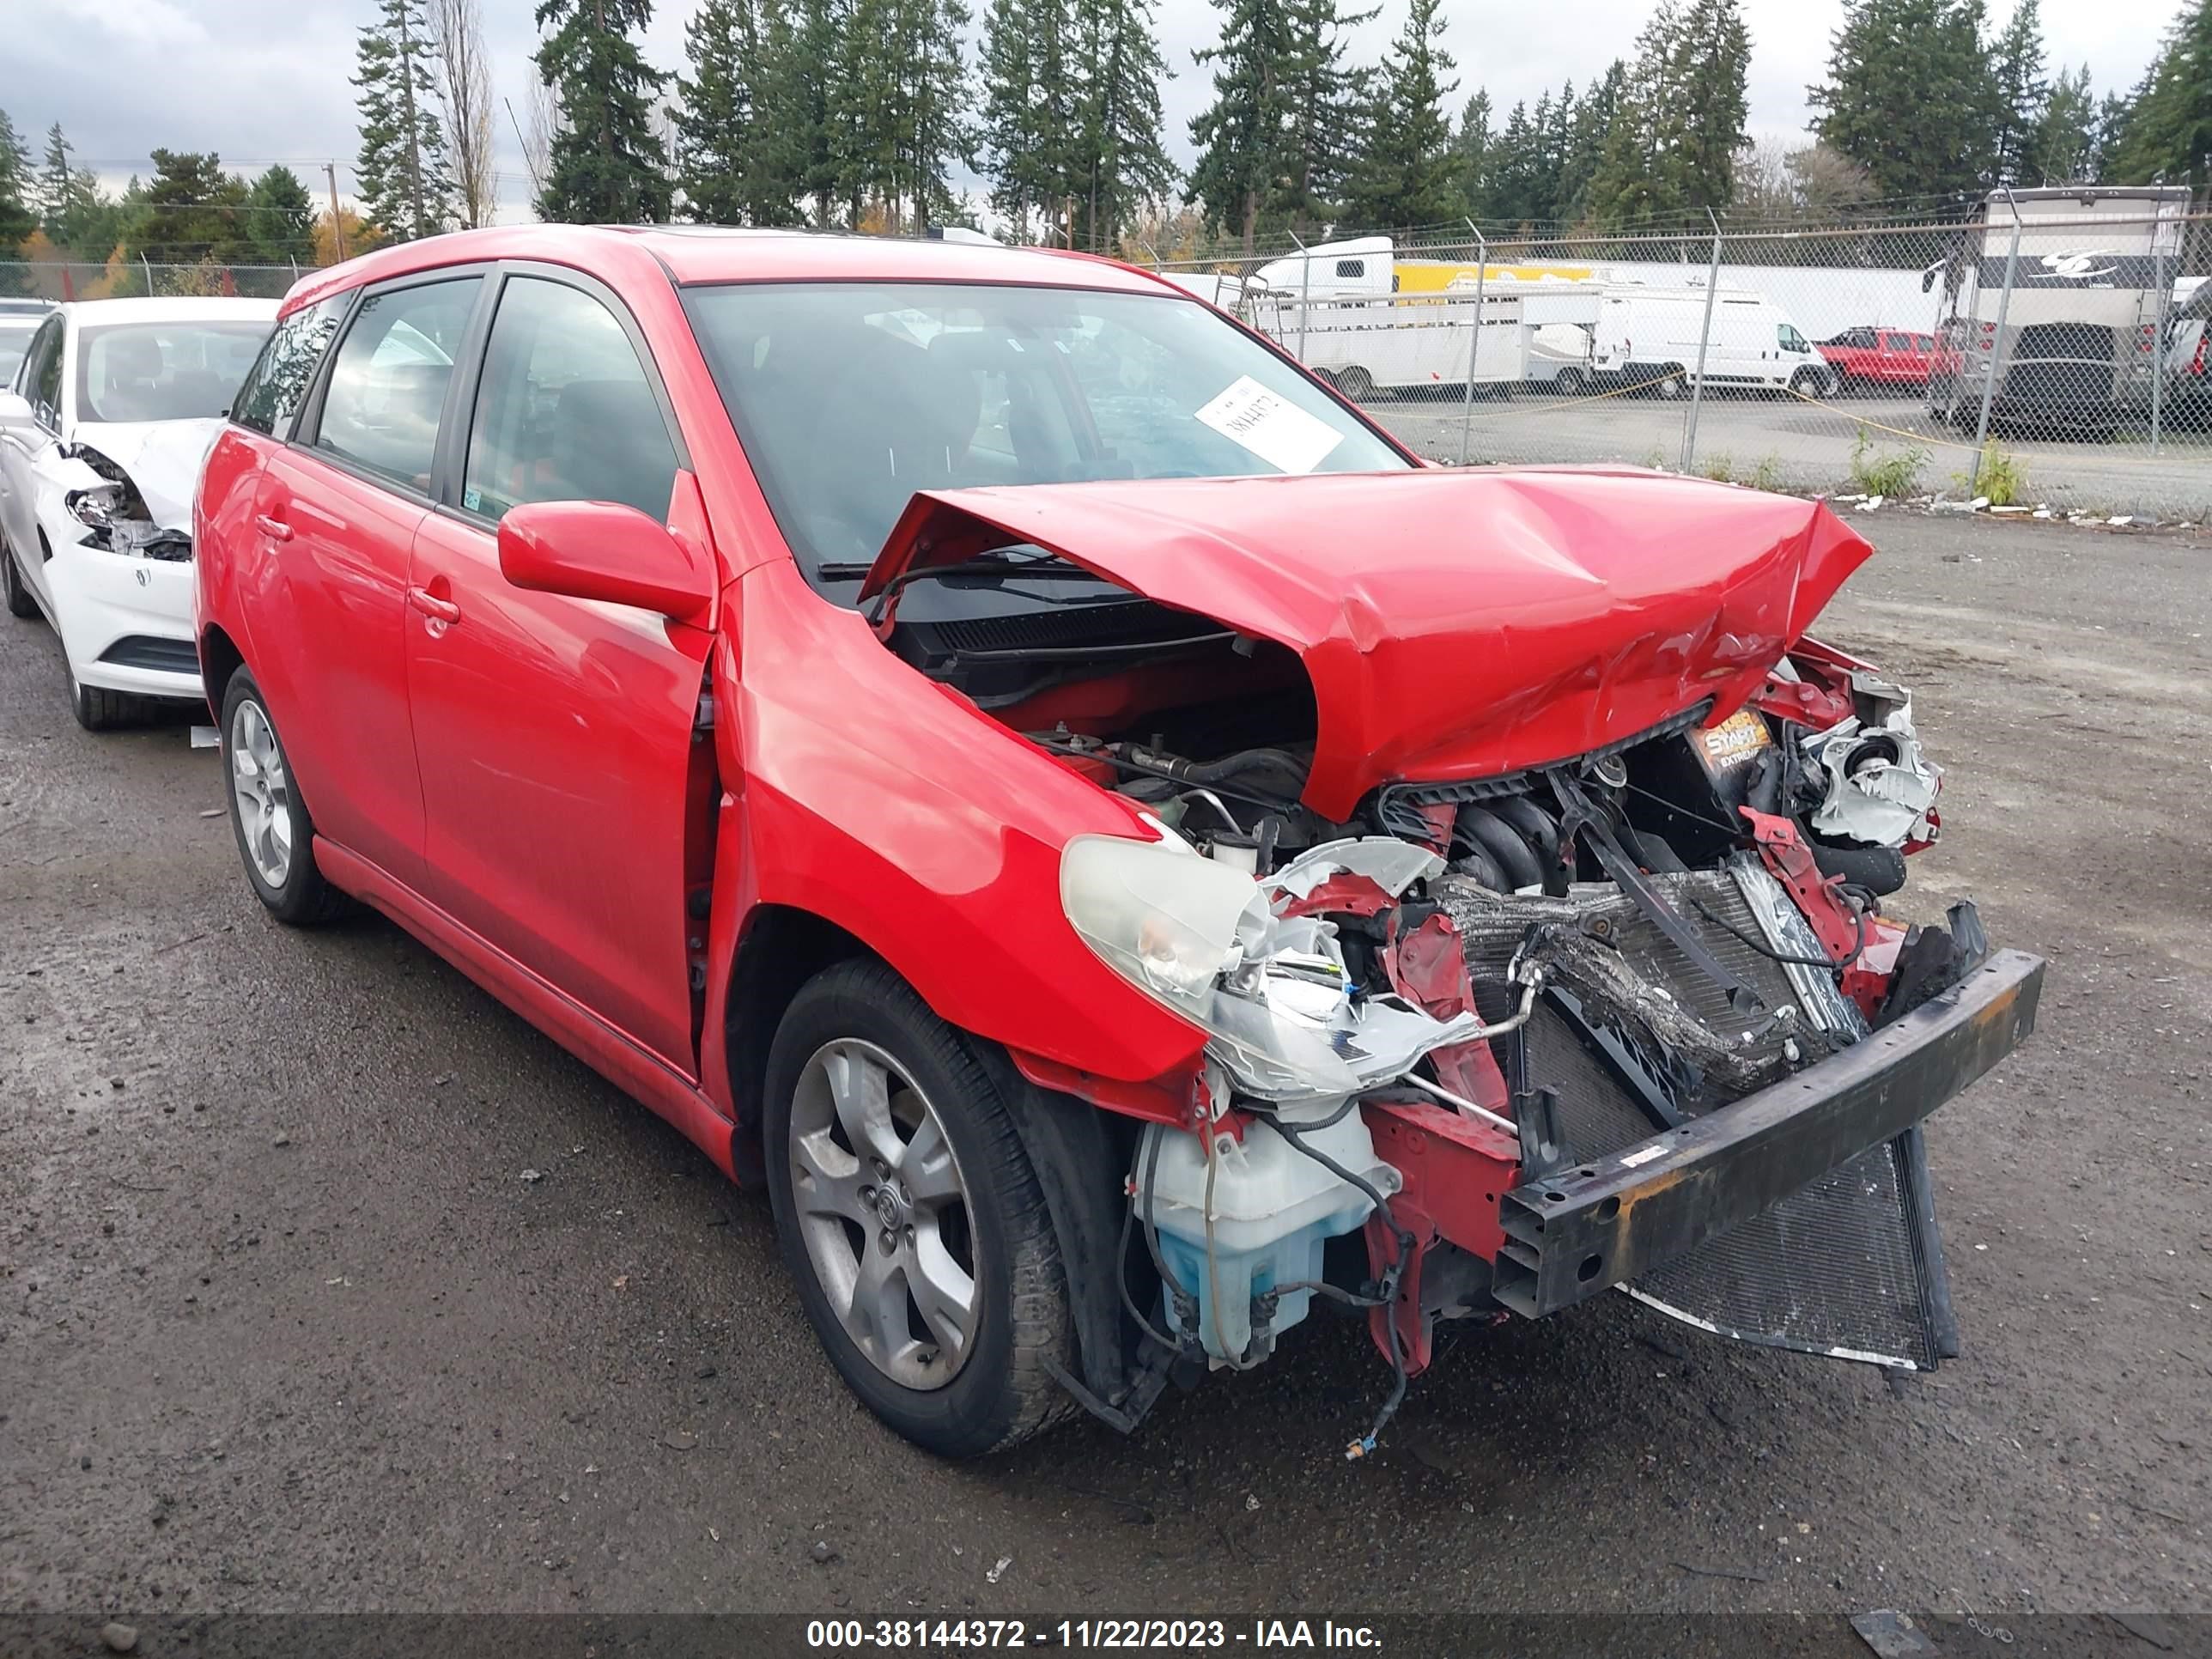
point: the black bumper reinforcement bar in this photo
(1593, 1225)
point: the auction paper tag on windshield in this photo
(1272, 428)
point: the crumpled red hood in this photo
(1455, 623)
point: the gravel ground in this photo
(285, 1325)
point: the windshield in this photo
(164, 371)
(851, 396)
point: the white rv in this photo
(2075, 348)
(1649, 339)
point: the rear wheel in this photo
(1568, 382)
(275, 837)
(12, 587)
(1356, 384)
(911, 1217)
(1669, 383)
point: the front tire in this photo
(96, 707)
(911, 1218)
(1356, 384)
(276, 836)
(1814, 383)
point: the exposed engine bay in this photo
(1487, 1043)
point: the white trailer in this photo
(1367, 346)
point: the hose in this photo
(1365, 1445)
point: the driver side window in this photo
(564, 411)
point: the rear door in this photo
(555, 735)
(337, 511)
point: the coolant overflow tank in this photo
(1273, 1208)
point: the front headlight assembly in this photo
(1271, 992)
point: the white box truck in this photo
(1647, 339)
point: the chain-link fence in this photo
(131, 279)
(2049, 355)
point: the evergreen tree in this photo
(1910, 95)
(606, 165)
(402, 178)
(899, 116)
(280, 219)
(2022, 94)
(1117, 160)
(731, 167)
(1701, 125)
(189, 212)
(1471, 150)
(797, 92)
(1241, 153)
(18, 218)
(2166, 132)
(1326, 98)
(1632, 181)
(1407, 176)
(1593, 124)
(2063, 149)
(1509, 195)
(1029, 108)
(75, 215)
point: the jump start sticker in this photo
(1272, 428)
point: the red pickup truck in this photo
(1864, 357)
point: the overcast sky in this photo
(262, 80)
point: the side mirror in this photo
(598, 551)
(15, 410)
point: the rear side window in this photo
(564, 410)
(278, 383)
(388, 381)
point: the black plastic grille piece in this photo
(144, 651)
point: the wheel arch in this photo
(1080, 1152)
(220, 659)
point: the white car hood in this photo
(163, 459)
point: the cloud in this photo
(268, 80)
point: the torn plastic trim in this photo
(1881, 787)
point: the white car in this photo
(113, 409)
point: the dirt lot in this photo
(284, 1324)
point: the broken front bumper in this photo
(1666, 1209)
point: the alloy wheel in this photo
(262, 792)
(884, 1213)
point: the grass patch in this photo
(1767, 475)
(1887, 472)
(1719, 466)
(2001, 477)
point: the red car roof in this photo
(712, 254)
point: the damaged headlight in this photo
(1271, 992)
(94, 507)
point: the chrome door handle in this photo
(431, 605)
(275, 529)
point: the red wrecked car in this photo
(998, 754)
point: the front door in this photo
(21, 447)
(554, 734)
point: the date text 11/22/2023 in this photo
(1120, 1635)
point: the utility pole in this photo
(407, 99)
(338, 224)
